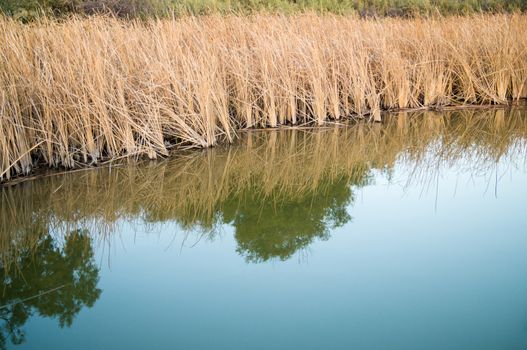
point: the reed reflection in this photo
(279, 190)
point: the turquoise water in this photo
(425, 249)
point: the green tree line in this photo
(26, 9)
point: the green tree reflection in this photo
(267, 229)
(49, 279)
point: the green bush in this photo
(28, 9)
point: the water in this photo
(406, 235)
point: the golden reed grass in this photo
(84, 90)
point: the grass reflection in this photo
(279, 190)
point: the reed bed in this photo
(80, 91)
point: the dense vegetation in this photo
(27, 9)
(81, 91)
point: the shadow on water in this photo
(280, 191)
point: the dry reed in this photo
(76, 92)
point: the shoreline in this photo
(177, 151)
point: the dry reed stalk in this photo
(83, 90)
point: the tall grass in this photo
(84, 90)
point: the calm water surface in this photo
(406, 235)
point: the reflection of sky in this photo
(439, 264)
